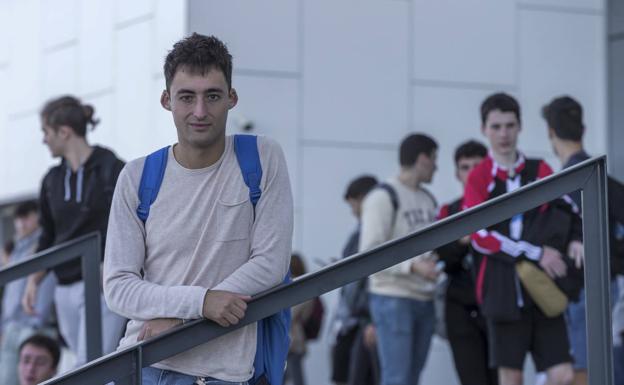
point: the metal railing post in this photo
(91, 260)
(597, 277)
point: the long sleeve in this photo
(494, 243)
(271, 234)
(46, 221)
(125, 289)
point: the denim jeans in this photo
(404, 330)
(577, 327)
(153, 376)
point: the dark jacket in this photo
(498, 289)
(615, 196)
(77, 203)
(458, 264)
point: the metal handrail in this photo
(589, 176)
(86, 247)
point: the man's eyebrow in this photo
(184, 91)
(208, 91)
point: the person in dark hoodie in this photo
(75, 200)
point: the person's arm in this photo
(125, 290)
(493, 243)
(46, 221)
(377, 224)
(46, 240)
(271, 234)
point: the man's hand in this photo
(30, 292)
(465, 240)
(426, 268)
(225, 308)
(370, 336)
(157, 326)
(552, 263)
(576, 252)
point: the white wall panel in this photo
(169, 27)
(567, 4)
(261, 35)
(451, 117)
(60, 74)
(97, 52)
(562, 54)
(105, 132)
(465, 41)
(26, 62)
(129, 10)
(132, 89)
(356, 75)
(59, 21)
(271, 104)
(162, 130)
(327, 219)
(26, 151)
(6, 8)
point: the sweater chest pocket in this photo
(233, 221)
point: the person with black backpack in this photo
(401, 297)
(564, 117)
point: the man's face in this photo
(26, 225)
(502, 129)
(199, 104)
(464, 166)
(54, 140)
(35, 365)
(426, 166)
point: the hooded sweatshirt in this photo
(77, 203)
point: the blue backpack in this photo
(273, 341)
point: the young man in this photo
(354, 358)
(515, 324)
(204, 249)
(39, 356)
(465, 325)
(16, 325)
(401, 296)
(564, 117)
(75, 200)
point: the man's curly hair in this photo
(198, 54)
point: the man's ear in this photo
(165, 100)
(233, 96)
(64, 131)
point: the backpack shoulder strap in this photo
(246, 149)
(531, 169)
(394, 198)
(151, 180)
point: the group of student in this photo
(384, 324)
(194, 230)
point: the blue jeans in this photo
(577, 327)
(153, 376)
(404, 330)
